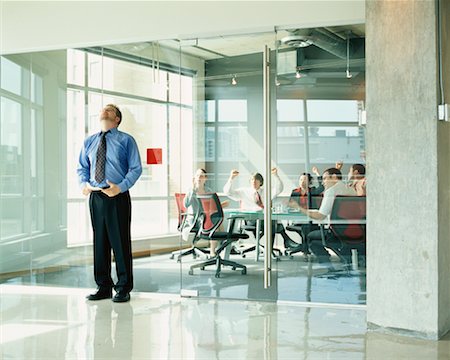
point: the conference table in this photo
(294, 216)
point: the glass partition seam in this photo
(126, 95)
(267, 170)
(114, 54)
(305, 116)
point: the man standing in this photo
(109, 165)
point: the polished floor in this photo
(59, 323)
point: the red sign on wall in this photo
(154, 156)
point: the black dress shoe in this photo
(100, 295)
(121, 297)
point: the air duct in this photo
(319, 37)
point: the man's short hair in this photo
(360, 168)
(334, 171)
(259, 177)
(118, 112)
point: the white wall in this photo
(28, 26)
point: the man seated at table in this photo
(252, 198)
(332, 181)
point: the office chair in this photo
(314, 203)
(210, 217)
(182, 222)
(347, 224)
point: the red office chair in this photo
(347, 224)
(210, 217)
(182, 218)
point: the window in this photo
(328, 133)
(290, 110)
(232, 110)
(157, 111)
(21, 150)
(332, 111)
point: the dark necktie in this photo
(258, 200)
(101, 159)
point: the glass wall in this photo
(50, 103)
(150, 100)
(316, 126)
(33, 179)
(201, 102)
(314, 123)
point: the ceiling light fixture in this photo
(348, 73)
(233, 80)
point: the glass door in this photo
(229, 153)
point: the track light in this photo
(233, 80)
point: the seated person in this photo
(302, 197)
(357, 179)
(251, 198)
(332, 181)
(198, 188)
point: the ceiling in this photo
(242, 44)
(322, 64)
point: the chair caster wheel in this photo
(243, 256)
(291, 257)
(194, 256)
(172, 257)
(191, 272)
(217, 275)
(244, 271)
(233, 268)
(202, 268)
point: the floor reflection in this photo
(63, 325)
(293, 279)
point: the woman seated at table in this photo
(252, 198)
(198, 188)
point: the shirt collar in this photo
(112, 131)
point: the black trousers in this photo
(303, 230)
(317, 248)
(111, 220)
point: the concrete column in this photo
(408, 272)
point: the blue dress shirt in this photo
(123, 163)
